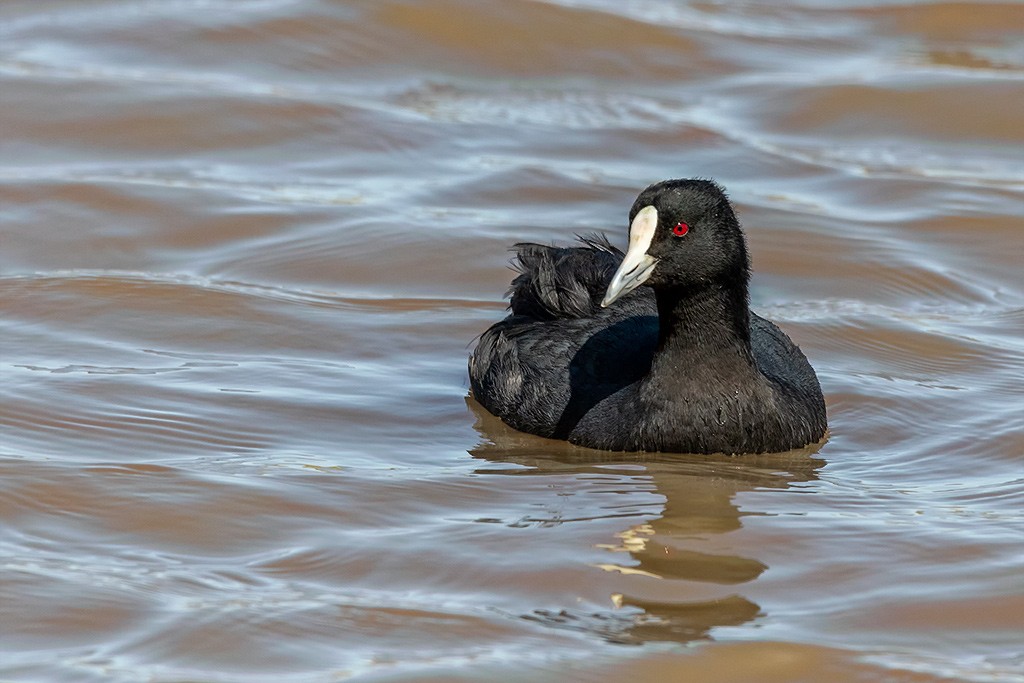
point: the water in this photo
(246, 247)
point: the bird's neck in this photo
(697, 324)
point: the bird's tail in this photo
(562, 282)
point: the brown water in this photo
(247, 243)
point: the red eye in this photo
(680, 229)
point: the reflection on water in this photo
(680, 581)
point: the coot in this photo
(679, 365)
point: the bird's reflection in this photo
(696, 565)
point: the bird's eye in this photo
(680, 229)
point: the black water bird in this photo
(680, 365)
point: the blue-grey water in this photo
(245, 246)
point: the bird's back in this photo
(558, 353)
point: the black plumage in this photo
(679, 365)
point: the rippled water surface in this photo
(245, 246)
